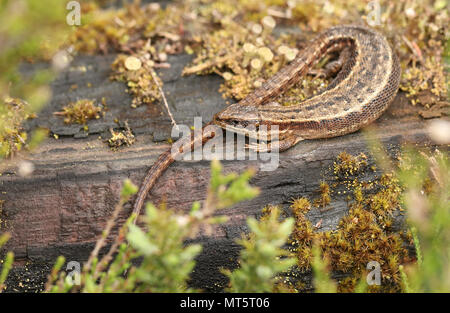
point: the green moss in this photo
(12, 134)
(348, 165)
(80, 111)
(324, 198)
(140, 80)
(303, 233)
(363, 235)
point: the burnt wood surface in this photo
(62, 207)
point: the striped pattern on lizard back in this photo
(363, 89)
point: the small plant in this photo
(262, 258)
(166, 261)
(321, 273)
(426, 179)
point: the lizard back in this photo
(360, 93)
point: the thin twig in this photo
(102, 240)
(152, 73)
(120, 238)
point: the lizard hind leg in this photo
(333, 67)
(283, 145)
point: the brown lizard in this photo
(362, 90)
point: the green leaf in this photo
(128, 188)
(138, 240)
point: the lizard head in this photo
(239, 118)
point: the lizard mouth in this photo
(237, 116)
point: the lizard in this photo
(364, 87)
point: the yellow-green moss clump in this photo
(324, 198)
(365, 234)
(139, 76)
(12, 135)
(80, 111)
(121, 138)
(348, 165)
(303, 234)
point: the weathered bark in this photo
(63, 206)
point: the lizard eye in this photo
(244, 123)
(234, 123)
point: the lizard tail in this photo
(163, 162)
(158, 168)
